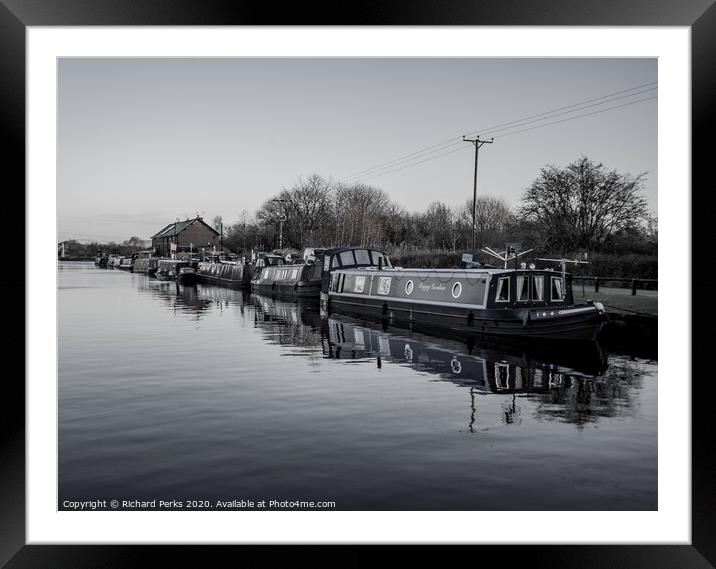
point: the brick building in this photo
(190, 234)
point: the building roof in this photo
(177, 227)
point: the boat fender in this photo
(470, 318)
(526, 318)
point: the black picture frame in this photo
(17, 15)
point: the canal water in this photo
(205, 395)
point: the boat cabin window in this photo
(362, 257)
(557, 292)
(538, 288)
(334, 262)
(377, 255)
(503, 290)
(523, 290)
(347, 259)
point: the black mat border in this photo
(16, 15)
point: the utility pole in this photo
(477, 143)
(281, 219)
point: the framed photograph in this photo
(388, 281)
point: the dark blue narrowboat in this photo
(516, 303)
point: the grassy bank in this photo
(620, 303)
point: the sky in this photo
(144, 141)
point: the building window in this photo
(557, 292)
(503, 290)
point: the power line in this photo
(455, 141)
(579, 116)
(523, 123)
(573, 105)
(416, 163)
(392, 171)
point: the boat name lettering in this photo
(433, 286)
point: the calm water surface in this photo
(204, 393)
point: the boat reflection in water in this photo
(576, 387)
(196, 300)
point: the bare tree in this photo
(492, 218)
(360, 212)
(582, 205)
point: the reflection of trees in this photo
(582, 400)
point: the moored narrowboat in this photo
(187, 276)
(147, 265)
(519, 303)
(168, 269)
(113, 261)
(307, 280)
(126, 264)
(226, 273)
(290, 280)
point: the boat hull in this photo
(302, 281)
(187, 278)
(233, 276)
(576, 323)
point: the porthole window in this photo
(456, 290)
(409, 287)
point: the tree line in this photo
(573, 210)
(581, 207)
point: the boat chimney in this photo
(380, 263)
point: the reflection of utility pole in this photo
(472, 407)
(477, 143)
(281, 219)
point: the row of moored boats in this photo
(517, 303)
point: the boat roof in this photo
(452, 271)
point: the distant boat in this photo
(113, 261)
(187, 276)
(303, 280)
(233, 274)
(168, 269)
(148, 265)
(517, 303)
(125, 263)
